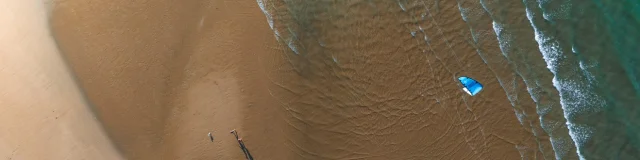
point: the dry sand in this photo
(43, 113)
(162, 74)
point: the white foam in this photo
(470, 14)
(585, 66)
(322, 43)
(266, 13)
(277, 34)
(521, 117)
(497, 28)
(293, 47)
(559, 145)
(462, 13)
(580, 100)
(503, 38)
(402, 6)
(561, 12)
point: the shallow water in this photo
(377, 79)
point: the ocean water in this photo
(569, 69)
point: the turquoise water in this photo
(579, 60)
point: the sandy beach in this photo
(163, 74)
(160, 75)
(318, 80)
(44, 115)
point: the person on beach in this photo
(242, 146)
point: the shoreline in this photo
(163, 75)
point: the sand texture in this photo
(160, 75)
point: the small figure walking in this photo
(244, 148)
(210, 137)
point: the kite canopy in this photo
(471, 86)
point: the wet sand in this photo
(162, 74)
(364, 86)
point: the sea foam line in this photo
(269, 17)
(290, 40)
(471, 15)
(527, 69)
(575, 96)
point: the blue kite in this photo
(471, 86)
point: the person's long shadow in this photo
(244, 148)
